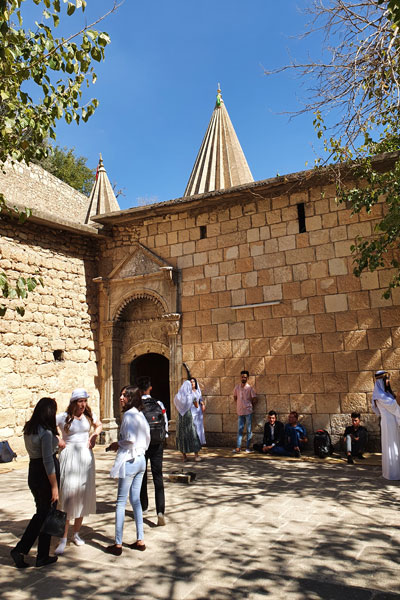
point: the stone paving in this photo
(249, 527)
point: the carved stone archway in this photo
(138, 315)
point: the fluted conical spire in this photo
(102, 198)
(220, 163)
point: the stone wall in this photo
(61, 316)
(316, 348)
(35, 188)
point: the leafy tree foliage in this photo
(64, 164)
(359, 79)
(41, 81)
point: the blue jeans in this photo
(130, 484)
(242, 420)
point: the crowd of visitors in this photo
(143, 430)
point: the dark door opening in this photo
(156, 367)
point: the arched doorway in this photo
(156, 367)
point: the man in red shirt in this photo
(245, 397)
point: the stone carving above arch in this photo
(141, 305)
(140, 348)
(140, 261)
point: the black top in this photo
(359, 432)
(277, 438)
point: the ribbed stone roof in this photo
(220, 163)
(102, 198)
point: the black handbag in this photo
(54, 523)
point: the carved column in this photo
(172, 321)
(112, 351)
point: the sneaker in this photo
(160, 520)
(18, 558)
(350, 460)
(235, 450)
(61, 546)
(297, 454)
(49, 560)
(78, 541)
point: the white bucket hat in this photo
(79, 394)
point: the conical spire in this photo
(220, 163)
(102, 198)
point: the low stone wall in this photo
(35, 188)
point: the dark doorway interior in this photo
(156, 367)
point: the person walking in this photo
(245, 397)
(385, 406)
(198, 407)
(155, 411)
(129, 466)
(40, 437)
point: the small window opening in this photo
(301, 217)
(203, 232)
(58, 355)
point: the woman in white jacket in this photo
(130, 465)
(385, 406)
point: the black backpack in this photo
(322, 443)
(6, 453)
(155, 417)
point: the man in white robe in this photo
(384, 405)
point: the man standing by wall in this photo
(245, 396)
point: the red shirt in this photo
(244, 396)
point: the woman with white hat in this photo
(385, 406)
(79, 428)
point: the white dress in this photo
(385, 405)
(77, 469)
(197, 414)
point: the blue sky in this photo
(158, 83)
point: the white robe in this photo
(385, 406)
(197, 414)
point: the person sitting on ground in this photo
(355, 437)
(295, 435)
(273, 439)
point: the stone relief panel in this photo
(138, 264)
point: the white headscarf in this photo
(184, 398)
(381, 394)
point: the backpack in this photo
(6, 453)
(155, 417)
(322, 443)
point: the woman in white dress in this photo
(198, 407)
(385, 406)
(79, 428)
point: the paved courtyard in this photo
(249, 527)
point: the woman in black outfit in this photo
(40, 436)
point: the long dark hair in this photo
(134, 398)
(44, 414)
(196, 387)
(71, 413)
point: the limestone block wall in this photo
(35, 188)
(61, 316)
(313, 351)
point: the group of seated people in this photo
(290, 439)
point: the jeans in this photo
(357, 447)
(242, 420)
(39, 485)
(130, 484)
(293, 436)
(155, 454)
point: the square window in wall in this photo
(58, 355)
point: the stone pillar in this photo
(112, 350)
(175, 360)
